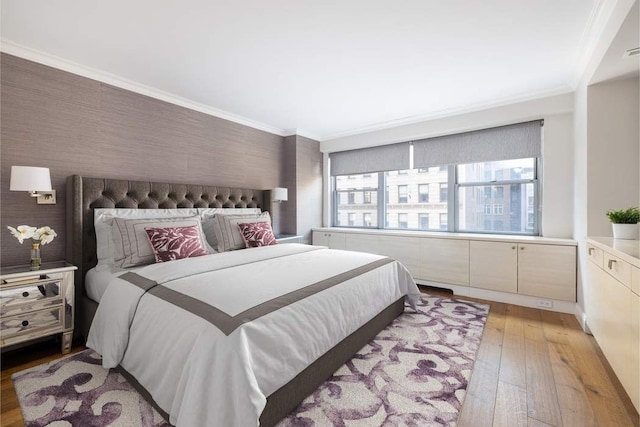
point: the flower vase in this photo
(36, 261)
(625, 231)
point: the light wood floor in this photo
(534, 368)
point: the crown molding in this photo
(560, 90)
(590, 39)
(12, 48)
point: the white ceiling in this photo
(323, 68)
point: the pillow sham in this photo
(256, 234)
(130, 242)
(228, 232)
(172, 243)
(103, 222)
(207, 214)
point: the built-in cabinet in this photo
(540, 268)
(612, 307)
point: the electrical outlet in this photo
(545, 303)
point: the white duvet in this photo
(205, 374)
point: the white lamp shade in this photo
(29, 178)
(279, 194)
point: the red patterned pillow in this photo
(257, 234)
(173, 243)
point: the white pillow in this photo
(207, 214)
(103, 222)
(131, 243)
(227, 230)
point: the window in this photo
(494, 184)
(366, 197)
(356, 194)
(423, 219)
(352, 219)
(444, 192)
(443, 221)
(423, 193)
(366, 219)
(519, 182)
(403, 194)
(403, 220)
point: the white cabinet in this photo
(330, 239)
(547, 271)
(493, 265)
(404, 249)
(613, 314)
(445, 260)
(362, 243)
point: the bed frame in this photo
(85, 194)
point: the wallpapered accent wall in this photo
(75, 125)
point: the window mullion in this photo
(382, 200)
(452, 196)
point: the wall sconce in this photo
(36, 181)
(279, 194)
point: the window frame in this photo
(452, 202)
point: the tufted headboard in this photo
(84, 194)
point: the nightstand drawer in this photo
(29, 297)
(24, 323)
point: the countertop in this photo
(628, 250)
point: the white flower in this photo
(23, 232)
(45, 235)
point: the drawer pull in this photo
(591, 250)
(25, 294)
(25, 323)
(611, 261)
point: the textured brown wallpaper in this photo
(75, 125)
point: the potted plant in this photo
(625, 223)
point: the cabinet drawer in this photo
(595, 255)
(25, 323)
(29, 297)
(618, 268)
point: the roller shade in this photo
(502, 143)
(373, 159)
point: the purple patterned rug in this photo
(415, 373)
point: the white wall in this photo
(558, 151)
(613, 146)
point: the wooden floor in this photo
(534, 368)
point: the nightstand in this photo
(36, 303)
(288, 238)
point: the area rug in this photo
(415, 373)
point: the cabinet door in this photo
(362, 243)
(634, 374)
(337, 240)
(320, 238)
(493, 265)
(445, 260)
(547, 271)
(403, 249)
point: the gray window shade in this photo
(502, 143)
(374, 159)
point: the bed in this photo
(235, 338)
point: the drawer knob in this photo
(25, 323)
(25, 294)
(591, 250)
(513, 247)
(611, 261)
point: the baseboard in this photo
(582, 319)
(509, 298)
